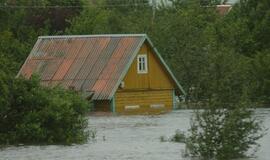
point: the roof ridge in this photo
(94, 35)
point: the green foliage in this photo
(4, 88)
(11, 52)
(181, 38)
(39, 15)
(92, 21)
(216, 58)
(34, 114)
(227, 78)
(260, 71)
(187, 35)
(23, 21)
(179, 136)
(246, 28)
(114, 18)
(223, 134)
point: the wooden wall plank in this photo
(156, 78)
(143, 99)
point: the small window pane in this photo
(142, 64)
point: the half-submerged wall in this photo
(147, 93)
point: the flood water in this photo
(127, 138)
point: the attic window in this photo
(142, 64)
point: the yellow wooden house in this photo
(123, 74)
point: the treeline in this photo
(29, 112)
(213, 56)
(208, 53)
(33, 114)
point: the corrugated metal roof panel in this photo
(112, 72)
(86, 63)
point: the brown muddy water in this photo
(127, 138)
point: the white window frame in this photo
(140, 69)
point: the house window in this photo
(142, 64)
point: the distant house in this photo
(123, 74)
(224, 9)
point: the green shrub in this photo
(163, 139)
(179, 136)
(33, 114)
(223, 134)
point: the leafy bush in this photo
(32, 114)
(223, 133)
(163, 139)
(261, 76)
(179, 136)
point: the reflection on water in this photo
(127, 137)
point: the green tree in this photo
(245, 28)
(260, 72)
(224, 134)
(112, 17)
(181, 37)
(32, 114)
(93, 20)
(23, 21)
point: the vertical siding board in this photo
(155, 78)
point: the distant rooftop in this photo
(224, 9)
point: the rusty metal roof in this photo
(88, 63)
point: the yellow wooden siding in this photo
(143, 99)
(156, 78)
